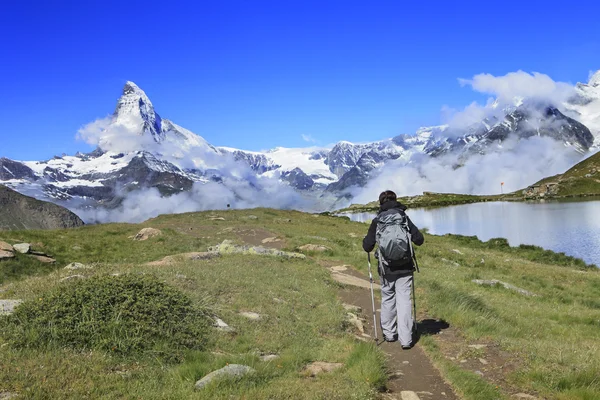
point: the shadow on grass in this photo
(428, 327)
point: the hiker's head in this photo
(386, 196)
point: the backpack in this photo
(395, 250)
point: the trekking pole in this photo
(372, 296)
(415, 327)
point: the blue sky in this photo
(259, 74)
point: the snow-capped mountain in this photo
(139, 149)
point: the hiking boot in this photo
(407, 346)
(394, 339)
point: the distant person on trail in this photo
(393, 232)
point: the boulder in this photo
(185, 256)
(222, 326)
(231, 371)
(319, 248)
(5, 246)
(22, 248)
(228, 247)
(318, 367)
(251, 315)
(356, 322)
(44, 259)
(147, 233)
(8, 306)
(6, 255)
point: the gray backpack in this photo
(395, 250)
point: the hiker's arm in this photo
(369, 240)
(415, 234)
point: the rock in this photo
(479, 373)
(5, 255)
(523, 396)
(8, 306)
(76, 247)
(227, 372)
(44, 259)
(216, 218)
(227, 247)
(147, 233)
(508, 286)
(251, 315)
(251, 217)
(353, 281)
(356, 322)
(186, 256)
(8, 395)
(408, 395)
(353, 235)
(270, 240)
(5, 246)
(483, 361)
(71, 277)
(450, 262)
(352, 308)
(75, 265)
(339, 268)
(478, 346)
(22, 248)
(463, 361)
(278, 300)
(318, 367)
(222, 326)
(457, 251)
(269, 357)
(319, 248)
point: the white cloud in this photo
(308, 138)
(520, 84)
(518, 163)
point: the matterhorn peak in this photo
(136, 112)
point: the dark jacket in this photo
(369, 241)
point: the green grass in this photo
(554, 337)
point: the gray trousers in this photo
(396, 309)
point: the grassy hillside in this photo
(431, 199)
(583, 179)
(547, 344)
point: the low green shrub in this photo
(126, 314)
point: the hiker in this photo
(395, 267)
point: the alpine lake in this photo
(571, 227)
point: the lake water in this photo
(569, 227)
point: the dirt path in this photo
(412, 375)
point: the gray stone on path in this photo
(7, 307)
(353, 281)
(352, 308)
(75, 265)
(409, 395)
(251, 315)
(22, 248)
(493, 282)
(318, 367)
(356, 322)
(231, 371)
(338, 268)
(483, 361)
(5, 255)
(6, 246)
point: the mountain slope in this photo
(583, 179)
(18, 212)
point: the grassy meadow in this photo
(549, 343)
